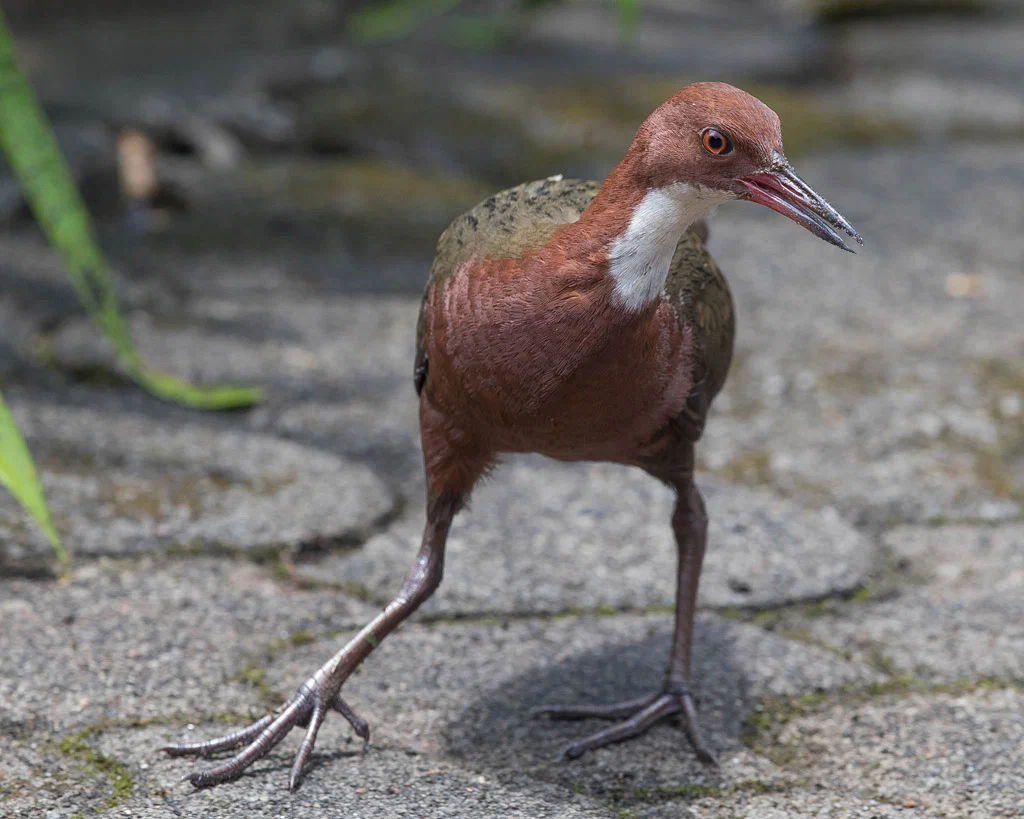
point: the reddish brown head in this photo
(721, 140)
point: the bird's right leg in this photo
(322, 692)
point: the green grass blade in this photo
(168, 387)
(37, 161)
(18, 474)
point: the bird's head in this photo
(726, 144)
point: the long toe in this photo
(613, 711)
(691, 727)
(225, 743)
(662, 706)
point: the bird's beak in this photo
(780, 189)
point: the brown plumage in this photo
(583, 322)
(535, 363)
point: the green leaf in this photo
(47, 183)
(18, 474)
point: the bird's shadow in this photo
(500, 730)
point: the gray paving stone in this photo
(466, 691)
(122, 483)
(787, 805)
(962, 620)
(146, 640)
(298, 342)
(777, 44)
(542, 536)
(383, 784)
(386, 783)
(337, 370)
(948, 754)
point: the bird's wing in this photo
(700, 295)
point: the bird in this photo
(584, 322)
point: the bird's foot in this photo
(634, 717)
(306, 709)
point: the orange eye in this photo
(715, 143)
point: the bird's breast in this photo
(553, 366)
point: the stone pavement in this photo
(859, 652)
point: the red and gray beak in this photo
(780, 189)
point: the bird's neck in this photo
(635, 227)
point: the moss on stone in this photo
(760, 787)
(76, 747)
(9, 788)
(667, 793)
(761, 729)
(256, 677)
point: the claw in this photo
(573, 751)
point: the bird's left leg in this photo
(322, 692)
(635, 717)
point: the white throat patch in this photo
(641, 257)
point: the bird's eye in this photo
(715, 143)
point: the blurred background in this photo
(343, 135)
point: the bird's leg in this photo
(321, 693)
(636, 716)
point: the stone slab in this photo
(146, 639)
(930, 755)
(300, 341)
(944, 75)
(542, 536)
(381, 785)
(961, 618)
(122, 483)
